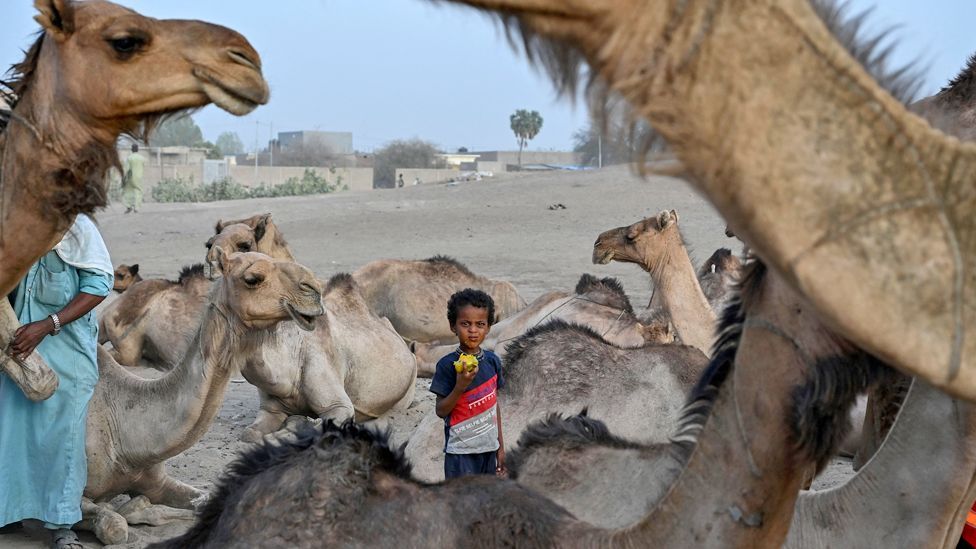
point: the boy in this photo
(467, 395)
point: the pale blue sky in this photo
(389, 69)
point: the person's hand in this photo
(29, 336)
(464, 377)
(500, 470)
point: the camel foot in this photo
(139, 510)
(108, 526)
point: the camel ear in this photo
(666, 218)
(134, 270)
(57, 17)
(222, 258)
(261, 227)
(219, 227)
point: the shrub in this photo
(184, 190)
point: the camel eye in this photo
(253, 280)
(244, 246)
(126, 46)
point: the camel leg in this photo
(163, 489)
(330, 402)
(108, 526)
(139, 510)
(269, 419)
(128, 351)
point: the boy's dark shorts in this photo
(459, 465)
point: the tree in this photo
(526, 125)
(182, 131)
(230, 143)
(412, 153)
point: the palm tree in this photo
(526, 125)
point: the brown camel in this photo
(155, 319)
(125, 276)
(97, 71)
(729, 479)
(599, 304)
(135, 424)
(558, 367)
(655, 245)
(353, 366)
(871, 189)
(414, 294)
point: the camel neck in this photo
(191, 393)
(681, 295)
(929, 453)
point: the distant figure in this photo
(400, 180)
(416, 181)
(132, 180)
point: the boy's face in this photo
(471, 326)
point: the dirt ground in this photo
(502, 228)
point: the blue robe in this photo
(43, 469)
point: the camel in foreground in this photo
(600, 304)
(739, 90)
(558, 367)
(155, 319)
(353, 366)
(78, 89)
(728, 479)
(66, 104)
(136, 424)
(655, 245)
(414, 294)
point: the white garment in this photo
(82, 247)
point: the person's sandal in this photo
(65, 539)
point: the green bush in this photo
(184, 190)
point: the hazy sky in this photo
(390, 69)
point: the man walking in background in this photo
(132, 180)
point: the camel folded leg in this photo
(163, 489)
(108, 526)
(139, 510)
(270, 418)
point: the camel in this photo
(353, 366)
(717, 276)
(414, 294)
(136, 424)
(600, 304)
(738, 89)
(727, 478)
(155, 319)
(563, 367)
(655, 245)
(125, 276)
(78, 89)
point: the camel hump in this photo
(522, 345)
(560, 431)
(443, 262)
(607, 291)
(190, 272)
(341, 281)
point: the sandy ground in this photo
(500, 228)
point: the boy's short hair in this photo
(475, 298)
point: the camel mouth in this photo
(602, 259)
(305, 321)
(235, 99)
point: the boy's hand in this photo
(500, 470)
(464, 377)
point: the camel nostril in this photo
(242, 57)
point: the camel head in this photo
(114, 68)
(125, 276)
(236, 237)
(262, 291)
(643, 243)
(721, 261)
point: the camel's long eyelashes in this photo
(127, 46)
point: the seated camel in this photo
(354, 366)
(564, 368)
(125, 276)
(136, 424)
(414, 294)
(599, 304)
(155, 319)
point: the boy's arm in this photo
(446, 404)
(501, 470)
